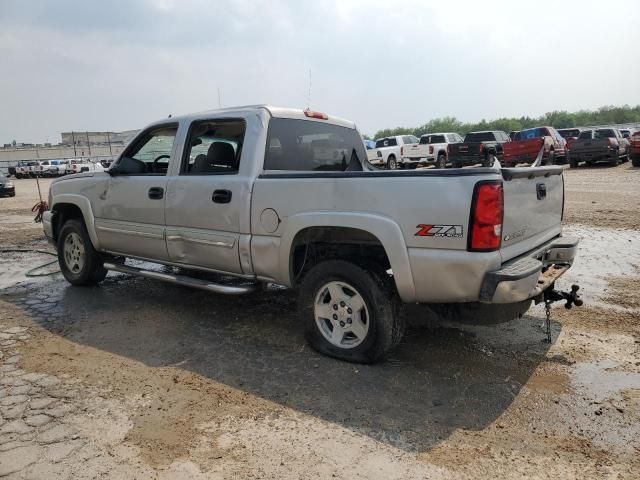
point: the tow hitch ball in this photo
(572, 298)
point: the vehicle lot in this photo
(149, 380)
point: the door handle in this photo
(221, 196)
(156, 193)
(541, 191)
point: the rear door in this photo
(209, 199)
(533, 202)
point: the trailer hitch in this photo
(572, 298)
(552, 295)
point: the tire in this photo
(19, 176)
(615, 160)
(380, 327)
(392, 164)
(488, 160)
(573, 162)
(551, 158)
(456, 164)
(79, 262)
(441, 162)
(635, 161)
(13, 194)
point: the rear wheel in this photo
(615, 159)
(441, 162)
(350, 312)
(392, 164)
(635, 161)
(79, 262)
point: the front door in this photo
(208, 199)
(130, 212)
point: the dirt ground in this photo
(141, 379)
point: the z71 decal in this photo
(451, 231)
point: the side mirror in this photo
(113, 171)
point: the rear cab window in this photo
(474, 137)
(311, 146)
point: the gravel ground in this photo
(140, 379)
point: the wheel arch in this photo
(337, 227)
(69, 206)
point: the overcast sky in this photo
(119, 64)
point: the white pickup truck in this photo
(389, 151)
(79, 165)
(266, 194)
(431, 149)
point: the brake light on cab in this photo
(487, 211)
(318, 115)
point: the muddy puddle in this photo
(20, 267)
(604, 255)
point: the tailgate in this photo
(533, 202)
(414, 150)
(597, 146)
(523, 150)
(464, 149)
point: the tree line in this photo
(559, 119)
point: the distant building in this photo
(96, 138)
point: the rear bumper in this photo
(528, 276)
(418, 160)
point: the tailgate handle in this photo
(541, 190)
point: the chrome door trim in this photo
(130, 232)
(216, 243)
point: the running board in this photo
(182, 280)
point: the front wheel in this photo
(79, 262)
(350, 312)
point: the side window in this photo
(305, 145)
(393, 142)
(150, 153)
(213, 147)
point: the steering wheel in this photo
(154, 166)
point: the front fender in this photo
(87, 213)
(383, 228)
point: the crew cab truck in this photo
(244, 192)
(478, 147)
(389, 151)
(431, 149)
(527, 144)
(602, 144)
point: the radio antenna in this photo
(309, 97)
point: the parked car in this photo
(602, 144)
(478, 147)
(52, 168)
(79, 165)
(431, 149)
(570, 135)
(245, 196)
(526, 146)
(33, 168)
(7, 187)
(634, 148)
(389, 150)
(625, 132)
(21, 169)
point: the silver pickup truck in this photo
(275, 195)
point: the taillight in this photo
(430, 149)
(487, 211)
(481, 147)
(401, 151)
